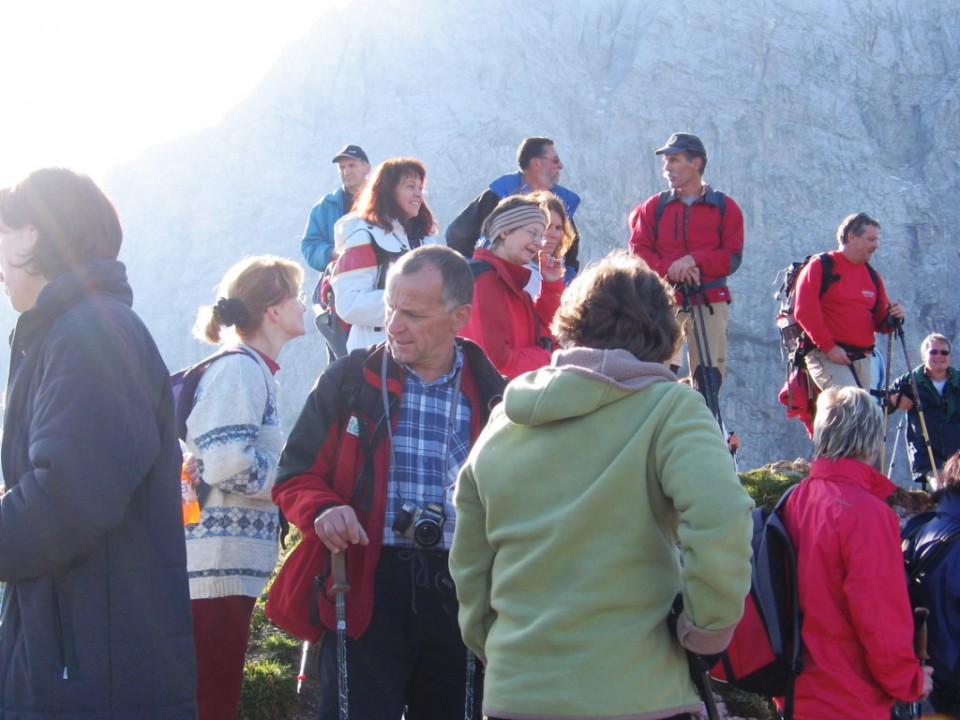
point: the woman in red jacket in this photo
(857, 628)
(509, 325)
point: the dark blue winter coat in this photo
(942, 415)
(95, 615)
(939, 591)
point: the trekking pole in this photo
(920, 644)
(710, 393)
(896, 444)
(886, 396)
(468, 696)
(302, 675)
(702, 682)
(339, 588)
(918, 405)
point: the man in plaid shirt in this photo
(369, 470)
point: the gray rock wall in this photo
(810, 110)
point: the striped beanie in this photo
(513, 218)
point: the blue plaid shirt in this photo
(423, 470)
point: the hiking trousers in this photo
(715, 318)
(411, 661)
(828, 374)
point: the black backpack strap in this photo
(663, 198)
(479, 267)
(875, 276)
(828, 277)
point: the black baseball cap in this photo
(352, 151)
(683, 142)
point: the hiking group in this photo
(507, 504)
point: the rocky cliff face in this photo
(810, 110)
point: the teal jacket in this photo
(570, 511)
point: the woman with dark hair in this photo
(506, 322)
(570, 508)
(389, 218)
(857, 630)
(558, 237)
(938, 586)
(234, 431)
(96, 614)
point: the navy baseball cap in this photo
(683, 142)
(351, 151)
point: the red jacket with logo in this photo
(845, 312)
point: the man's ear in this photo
(460, 317)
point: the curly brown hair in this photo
(619, 303)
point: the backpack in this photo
(919, 559)
(763, 656)
(794, 340)
(184, 384)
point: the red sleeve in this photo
(724, 261)
(512, 349)
(807, 308)
(547, 304)
(642, 242)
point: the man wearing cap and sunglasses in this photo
(692, 235)
(317, 243)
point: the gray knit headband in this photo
(514, 218)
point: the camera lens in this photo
(427, 533)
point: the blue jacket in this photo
(942, 416)
(96, 612)
(465, 230)
(317, 243)
(939, 591)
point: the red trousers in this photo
(221, 630)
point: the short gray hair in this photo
(454, 271)
(848, 424)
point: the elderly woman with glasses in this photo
(939, 386)
(506, 322)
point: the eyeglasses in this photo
(535, 235)
(934, 351)
(555, 159)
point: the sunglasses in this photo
(934, 351)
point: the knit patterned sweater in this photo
(234, 430)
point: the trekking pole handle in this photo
(340, 584)
(920, 615)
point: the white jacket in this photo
(356, 280)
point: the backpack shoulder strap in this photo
(875, 276)
(479, 267)
(828, 277)
(185, 383)
(663, 198)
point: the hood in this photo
(578, 382)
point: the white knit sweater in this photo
(234, 430)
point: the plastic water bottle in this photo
(188, 498)
(188, 493)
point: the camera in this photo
(422, 525)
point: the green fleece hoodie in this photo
(569, 511)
